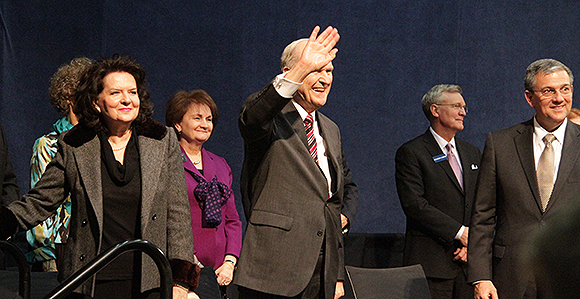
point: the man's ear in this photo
(434, 110)
(528, 94)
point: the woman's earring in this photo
(98, 108)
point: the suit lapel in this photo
(568, 160)
(151, 152)
(524, 144)
(333, 149)
(434, 150)
(330, 142)
(297, 124)
(89, 167)
(295, 121)
(293, 117)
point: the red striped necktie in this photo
(308, 126)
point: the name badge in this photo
(440, 158)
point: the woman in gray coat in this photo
(125, 176)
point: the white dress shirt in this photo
(539, 145)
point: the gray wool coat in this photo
(76, 168)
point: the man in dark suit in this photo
(528, 172)
(555, 256)
(293, 187)
(436, 175)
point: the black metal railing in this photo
(23, 268)
(108, 256)
(94, 266)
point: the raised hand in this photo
(320, 51)
(316, 53)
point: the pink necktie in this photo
(454, 164)
(310, 137)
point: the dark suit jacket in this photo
(507, 210)
(434, 203)
(285, 196)
(76, 169)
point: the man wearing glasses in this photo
(436, 175)
(528, 172)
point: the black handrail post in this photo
(23, 268)
(108, 256)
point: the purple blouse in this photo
(212, 244)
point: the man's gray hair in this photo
(546, 67)
(433, 96)
(289, 57)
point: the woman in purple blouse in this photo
(217, 229)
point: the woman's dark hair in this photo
(180, 103)
(91, 85)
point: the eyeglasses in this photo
(550, 92)
(457, 107)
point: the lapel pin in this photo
(474, 167)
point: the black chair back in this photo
(398, 283)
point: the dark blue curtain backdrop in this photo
(390, 54)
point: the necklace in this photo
(126, 139)
(193, 153)
(191, 156)
(119, 149)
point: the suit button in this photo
(319, 233)
(82, 257)
(154, 217)
(84, 223)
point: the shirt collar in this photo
(303, 112)
(540, 132)
(441, 141)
